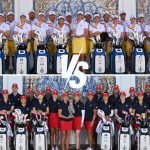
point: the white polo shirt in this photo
(12, 27)
(25, 29)
(31, 22)
(124, 23)
(130, 28)
(4, 27)
(115, 28)
(147, 28)
(65, 29)
(51, 26)
(78, 28)
(97, 28)
(43, 28)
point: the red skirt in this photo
(66, 125)
(53, 120)
(77, 123)
(88, 127)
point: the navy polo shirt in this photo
(132, 101)
(113, 99)
(89, 109)
(98, 98)
(6, 106)
(139, 109)
(30, 101)
(48, 97)
(147, 99)
(54, 105)
(122, 107)
(78, 107)
(25, 110)
(40, 106)
(64, 107)
(15, 98)
(106, 107)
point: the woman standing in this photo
(65, 121)
(54, 120)
(90, 117)
(78, 119)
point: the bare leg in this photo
(77, 133)
(68, 139)
(56, 136)
(90, 137)
(52, 137)
(63, 139)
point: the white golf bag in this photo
(20, 131)
(98, 56)
(106, 130)
(124, 133)
(117, 55)
(138, 62)
(143, 134)
(60, 41)
(5, 132)
(40, 132)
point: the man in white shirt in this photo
(79, 33)
(106, 20)
(32, 17)
(141, 21)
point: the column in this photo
(129, 6)
(22, 6)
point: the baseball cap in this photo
(132, 89)
(98, 87)
(122, 12)
(123, 93)
(88, 13)
(68, 14)
(61, 17)
(106, 94)
(116, 87)
(96, 15)
(132, 16)
(55, 92)
(31, 11)
(114, 16)
(40, 93)
(22, 14)
(80, 13)
(40, 14)
(23, 97)
(147, 86)
(52, 12)
(90, 93)
(10, 13)
(65, 94)
(48, 89)
(77, 94)
(1, 14)
(140, 94)
(15, 85)
(31, 90)
(5, 91)
(141, 16)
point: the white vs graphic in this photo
(73, 70)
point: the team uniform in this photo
(15, 99)
(77, 120)
(114, 99)
(147, 99)
(65, 124)
(53, 116)
(26, 30)
(98, 98)
(30, 101)
(10, 43)
(131, 29)
(89, 112)
(6, 105)
(132, 101)
(79, 44)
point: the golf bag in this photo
(40, 132)
(2, 55)
(21, 58)
(117, 55)
(42, 56)
(98, 56)
(5, 132)
(138, 61)
(60, 41)
(143, 134)
(106, 130)
(125, 132)
(20, 131)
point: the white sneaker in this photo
(89, 148)
(56, 148)
(52, 148)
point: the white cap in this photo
(61, 17)
(96, 15)
(68, 14)
(132, 16)
(88, 13)
(52, 13)
(22, 14)
(1, 14)
(10, 13)
(106, 13)
(31, 11)
(122, 12)
(39, 14)
(80, 12)
(114, 16)
(141, 16)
